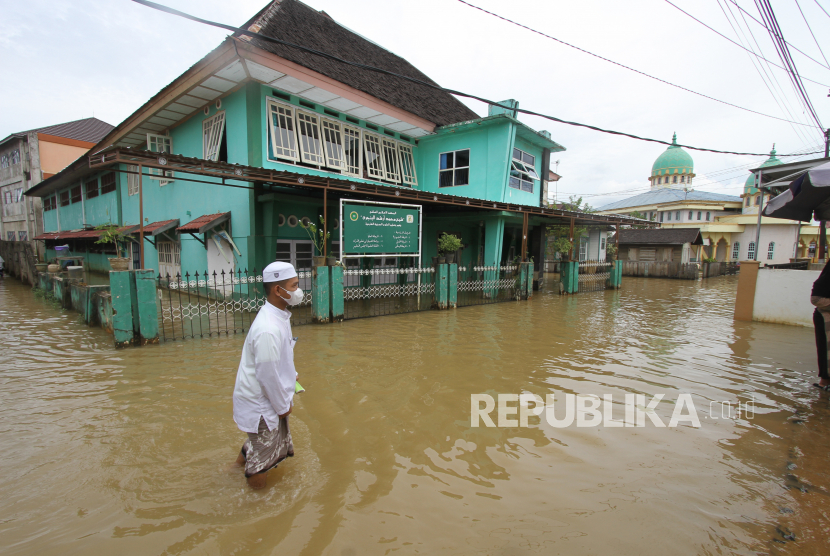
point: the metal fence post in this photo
(452, 285)
(336, 293)
(529, 283)
(320, 306)
(148, 317)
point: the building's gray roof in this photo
(294, 22)
(667, 195)
(90, 130)
(661, 236)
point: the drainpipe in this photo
(760, 208)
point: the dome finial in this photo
(772, 152)
(674, 139)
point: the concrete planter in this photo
(119, 263)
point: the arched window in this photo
(698, 215)
(708, 216)
(674, 180)
(748, 200)
(668, 216)
(691, 214)
(677, 216)
(682, 179)
(659, 180)
(757, 200)
(812, 248)
(770, 250)
(750, 251)
(736, 250)
(661, 216)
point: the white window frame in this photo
(212, 130)
(372, 145)
(160, 144)
(750, 251)
(525, 167)
(389, 149)
(736, 250)
(170, 257)
(132, 180)
(771, 251)
(311, 144)
(283, 140)
(407, 164)
(451, 170)
(333, 147)
(353, 133)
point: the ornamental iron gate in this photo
(203, 305)
(594, 275)
(387, 291)
(479, 285)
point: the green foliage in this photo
(709, 260)
(561, 245)
(576, 204)
(111, 235)
(641, 216)
(317, 235)
(611, 249)
(448, 243)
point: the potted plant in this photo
(318, 238)
(448, 244)
(562, 246)
(111, 234)
(611, 251)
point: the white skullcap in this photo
(277, 271)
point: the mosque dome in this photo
(674, 160)
(749, 186)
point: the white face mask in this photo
(296, 296)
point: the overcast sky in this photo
(66, 60)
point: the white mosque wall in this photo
(784, 237)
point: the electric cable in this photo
(682, 88)
(430, 85)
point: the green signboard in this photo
(380, 228)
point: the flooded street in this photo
(128, 452)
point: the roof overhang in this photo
(522, 130)
(204, 223)
(156, 228)
(233, 175)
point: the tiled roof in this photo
(294, 22)
(90, 130)
(667, 236)
(203, 222)
(667, 195)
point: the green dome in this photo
(749, 186)
(673, 161)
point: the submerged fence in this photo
(479, 285)
(204, 305)
(387, 291)
(594, 275)
(682, 271)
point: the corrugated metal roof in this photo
(90, 130)
(155, 228)
(80, 234)
(664, 236)
(667, 195)
(204, 223)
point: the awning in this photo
(81, 234)
(156, 228)
(204, 223)
(808, 195)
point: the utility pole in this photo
(822, 225)
(760, 186)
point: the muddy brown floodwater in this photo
(127, 452)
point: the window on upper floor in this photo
(213, 134)
(674, 179)
(306, 137)
(682, 179)
(748, 200)
(14, 157)
(108, 182)
(64, 197)
(757, 200)
(22, 236)
(708, 216)
(18, 195)
(668, 216)
(522, 171)
(49, 203)
(661, 217)
(132, 180)
(691, 214)
(10, 236)
(677, 215)
(92, 188)
(698, 215)
(4, 161)
(77, 196)
(454, 168)
(736, 250)
(771, 250)
(160, 144)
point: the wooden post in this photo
(571, 239)
(525, 220)
(140, 219)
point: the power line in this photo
(811, 31)
(603, 58)
(758, 65)
(822, 8)
(736, 44)
(427, 84)
(826, 63)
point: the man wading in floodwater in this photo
(266, 379)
